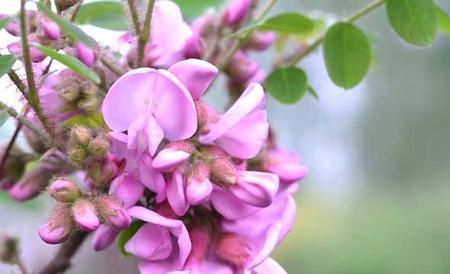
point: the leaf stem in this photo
(145, 34)
(18, 83)
(304, 51)
(33, 97)
(242, 40)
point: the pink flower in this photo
(162, 244)
(85, 215)
(236, 11)
(285, 164)
(127, 190)
(243, 129)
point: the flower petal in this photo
(196, 75)
(175, 194)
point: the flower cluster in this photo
(199, 191)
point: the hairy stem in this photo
(304, 51)
(62, 261)
(33, 97)
(134, 17)
(242, 40)
(111, 65)
(145, 34)
(19, 84)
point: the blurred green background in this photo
(377, 200)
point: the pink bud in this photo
(201, 240)
(80, 135)
(199, 188)
(242, 67)
(99, 147)
(223, 171)
(104, 236)
(31, 184)
(36, 55)
(85, 215)
(115, 214)
(13, 26)
(85, 54)
(236, 12)
(260, 41)
(194, 47)
(233, 249)
(172, 156)
(64, 191)
(256, 188)
(50, 29)
(58, 228)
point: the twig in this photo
(111, 66)
(76, 10)
(145, 34)
(134, 17)
(62, 261)
(302, 52)
(19, 84)
(33, 97)
(10, 146)
(242, 40)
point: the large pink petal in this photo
(196, 75)
(127, 189)
(229, 206)
(256, 188)
(252, 99)
(151, 242)
(128, 98)
(173, 107)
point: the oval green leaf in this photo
(287, 85)
(6, 63)
(72, 63)
(443, 20)
(413, 20)
(194, 8)
(287, 23)
(72, 31)
(347, 54)
(103, 14)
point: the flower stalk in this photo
(145, 35)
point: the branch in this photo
(144, 35)
(19, 84)
(62, 261)
(10, 146)
(242, 40)
(134, 17)
(111, 65)
(304, 51)
(33, 97)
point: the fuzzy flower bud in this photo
(89, 104)
(64, 191)
(172, 156)
(242, 67)
(236, 11)
(85, 215)
(111, 211)
(78, 155)
(50, 29)
(31, 184)
(59, 226)
(99, 147)
(68, 89)
(199, 187)
(260, 41)
(85, 54)
(103, 173)
(233, 249)
(81, 135)
(223, 171)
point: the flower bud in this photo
(99, 147)
(85, 215)
(194, 47)
(34, 140)
(103, 173)
(236, 12)
(201, 241)
(223, 171)
(85, 54)
(50, 29)
(89, 104)
(233, 249)
(78, 155)
(104, 236)
(172, 156)
(81, 135)
(64, 191)
(14, 165)
(111, 211)
(63, 5)
(199, 187)
(31, 184)
(260, 41)
(68, 89)
(36, 55)
(242, 67)
(8, 248)
(59, 226)
(13, 26)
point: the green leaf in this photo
(347, 54)
(72, 31)
(443, 20)
(3, 117)
(4, 22)
(194, 8)
(72, 63)
(288, 23)
(6, 63)
(92, 120)
(126, 235)
(287, 85)
(413, 20)
(103, 14)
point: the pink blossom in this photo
(285, 164)
(236, 11)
